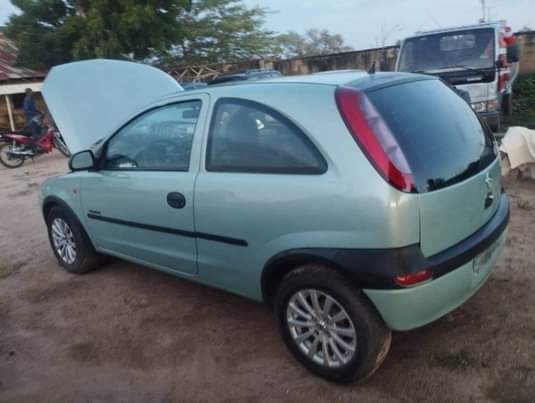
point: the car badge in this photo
(489, 197)
(489, 181)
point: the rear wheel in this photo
(329, 326)
(7, 159)
(71, 245)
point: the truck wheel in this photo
(71, 245)
(329, 325)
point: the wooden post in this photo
(10, 113)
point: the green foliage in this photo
(50, 32)
(221, 31)
(314, 42)
(523, 101)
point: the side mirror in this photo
(513, 53)
(82, 161)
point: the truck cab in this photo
(481, 60)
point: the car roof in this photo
(354, 78)
(243, 76)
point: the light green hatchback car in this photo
(353, 204)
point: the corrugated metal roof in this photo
(8, 71)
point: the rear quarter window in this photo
(249, 137)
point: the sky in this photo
(364, 23)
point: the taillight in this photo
(409, 280)
(375, 138)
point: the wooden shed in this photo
(13, 83)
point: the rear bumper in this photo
(410, 308)
(458, 273)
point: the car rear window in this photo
(440, 135)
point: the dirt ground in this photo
(126, 333)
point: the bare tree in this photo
(385, 34)
(313, 42)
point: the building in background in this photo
(13, 82)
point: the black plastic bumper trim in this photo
(376, 268)
(468, 249)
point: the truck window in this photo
(437, 52)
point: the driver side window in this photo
(160, 139)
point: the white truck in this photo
(481, 60)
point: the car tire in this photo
(71, 245)
(352, 311)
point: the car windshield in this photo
(468, 49)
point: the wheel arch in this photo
(52, 201)
(49, 202)
(366, 268)
(283, 263)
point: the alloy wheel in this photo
(321, 328)
(63, 240)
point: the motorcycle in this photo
(15, 148)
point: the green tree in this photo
(222, 31)
(50, 32)
(314, 42)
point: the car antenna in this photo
(371, 70)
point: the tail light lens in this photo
(409, 280)
(375, 138)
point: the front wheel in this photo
(7, 158)
(71, 245)
(329, 326)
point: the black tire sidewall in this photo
(2, 145)
(84, 249)
(368, 325)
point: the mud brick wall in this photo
(386, 57)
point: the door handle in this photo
(176, 200)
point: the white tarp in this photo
(519, 145)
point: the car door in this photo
(139, 203)
(253, 195)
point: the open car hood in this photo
(90, 99)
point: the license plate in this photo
(483, 260)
